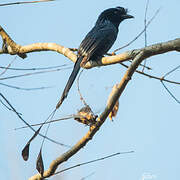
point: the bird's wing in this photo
(98, 41)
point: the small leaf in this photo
(109, 102)
(40, 164)
(25, 152)
(114, 111)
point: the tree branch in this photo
(153, 77)
(138, 56)
(10, 47)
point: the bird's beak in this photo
(127, 16)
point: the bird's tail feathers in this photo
(70, 81)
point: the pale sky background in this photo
(148, 118)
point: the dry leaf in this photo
(86, 116)
(116, 106)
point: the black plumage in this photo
(97, 42)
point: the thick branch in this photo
(10, 47)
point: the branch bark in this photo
(12, 48)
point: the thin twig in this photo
(6, 106)
(142, 65)
(18, 114)
(170, 93)
(88, 162)
(6, 68)
(24, 89)
(32, 69)
(51, 121)
(145, 32)
(162, 79)
(151, 76)
(87, 176)
(171, 71)
(34, 73)
(81, 97)
(25, 2)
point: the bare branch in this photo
(149, 22)
(171, 94)
(174, 69)
(8, 66)
(81, 97)
(87, 176)
(19, 116)
(145, 27)
(32, 69)
(9, 46)
(92, 161)
(34, 73)
(162, 79)
(13, 49)
(25, 2)
(24, 89)
(153, 77)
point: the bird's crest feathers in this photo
(114, 15)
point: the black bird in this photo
(97, 42)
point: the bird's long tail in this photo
(70, 81)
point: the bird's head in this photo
(115, 15)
